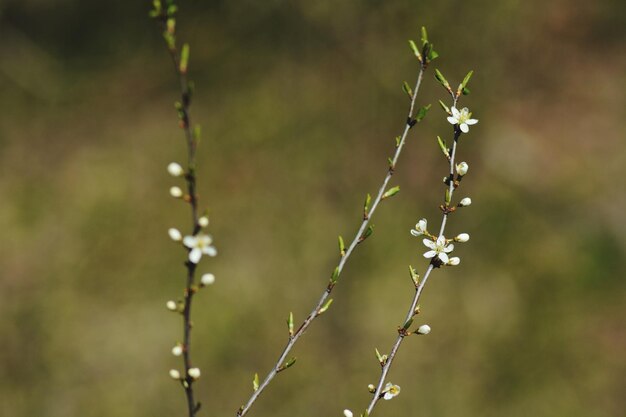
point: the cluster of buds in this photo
(439, 246)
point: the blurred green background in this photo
(300, 103)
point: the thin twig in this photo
(358, 238)
(413, 311)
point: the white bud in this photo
(203, 221)
(175, 169)
(465, 202)
(174, 374)
(207, 279)
(171, 305)
(175, 234)
(420, 228)
(177, 350)
(462, 168)
(176, 192)
(194, 373)
(454, 261)
(463, 237)
(424, 329)
(371, 388)
(347, 413)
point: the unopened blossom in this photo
(199, 244)
(203, 221)
(177, 350)
(171, 305)
(463, 237)
(423, 329)
(465, 202)
(454, 261)
(371, 388)
(194, 373)
(420, 228)
(439, 248)
(462, 118)
(390, 391)
(175, 169)
(175, 234)
(462, 168)
(176, 192)
(347, 413)
(174, 374)
(207, 279)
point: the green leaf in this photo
(407, 89)
(398, 139)
(415, 49)
(443, 147)
(414, 275)
(342, 246)
(368, 200)
(290, 323)
(326, 306)
(255, 382)
(197, 133)
(439, 76)
(391, 192)
(335, 276)
(289, 363)
(466, 79)
(408, 324)
(432, 54)
(444, 107)
(421, 113)
(379, 356)
(424, 36)
(184, 58)
(466, 91)
(367, 233)
(448, 196)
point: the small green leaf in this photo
(326, 306)
(398, 139)
(366, 206)
(408, 324)
(197, 132)
(414, 275)
(421, 113)
(444, 107)
(289, 363)
(255, 382)
(342, 247)
(443, 147)
(466, 91)
(424, 36)
(335, 276)
(379, 356)
(184, 58)
(407, 89)
(466, 79)
(367, 233)
(448, 196)
(432, 54)
(391, 192)
(172, 9)
(439, 76)
(290, 323)
(415, 50)
(390, 162)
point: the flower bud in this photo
(177, 350)
(454, 261)
(175, 234)
(171, 305)
(347, 413)
(207, 279)
(174, 374)
(423, 329)
(462, 168)
(194, 373)
(371, 388)
(176, 192)
(463, 237)
(420, 228)
(175, 169)
(465, 202)
(203, 221)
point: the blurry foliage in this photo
(300, 103)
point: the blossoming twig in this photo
(424, 56)
(439, 246)
(196, 243)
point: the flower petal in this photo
(464, 128)
(443, 257)
(453, 120)
(189, 241)
(471, 121)
(455, 112)
(416, 233)
(448, 248)
(429, 243)
(209, 250)
(430, 254)
(195, 255)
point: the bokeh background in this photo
(300, 103)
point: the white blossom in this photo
(462, 118)
(454, 261)
(347, 413)
(465, 202)
(175, 169)
(172, 305)
(175, 234)
(203, 221)
(463, 237)
(390, 391)
(176, 192)
(423, 329)
(462, 168)
(207, 279)
(199, 244)
(194, 373)
(174, 374)
(177, 350)
(440, 248)
(420, 228)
